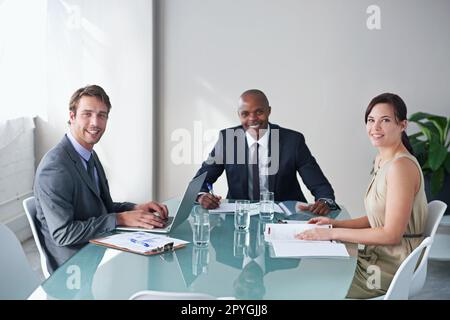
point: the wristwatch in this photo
(330, 203)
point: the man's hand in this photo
(154, 207)
(209, 201)
(319, 207)
(139, 218)
(321, 220)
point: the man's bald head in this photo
(256, 95)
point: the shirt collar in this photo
(263, 141)
(82, 151)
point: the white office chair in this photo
(436, 210)
(165, 295)
(17, 279)
(30, 209)
(401, 283)
(439, 250)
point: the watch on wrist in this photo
(330, 203)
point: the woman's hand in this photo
(315, 234)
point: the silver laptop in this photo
(181, 212)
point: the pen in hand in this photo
(210, 188)
(209, 200)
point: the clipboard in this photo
(143, 243)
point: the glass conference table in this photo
(234, 264)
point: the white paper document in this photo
(229, 207)
(309, 249)
(282, 238)
(140, 242)
(287, 231)
(293, 221)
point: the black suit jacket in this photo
(293, 154)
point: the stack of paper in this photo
(284, 243)
(229, 207)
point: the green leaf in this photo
(437, 155)
(437, 181)
(440, 123)
(447, 163)
(429, 130)
(447, 128)
(415, 135)
(415, 117)
(419, 147)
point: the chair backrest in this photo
(401, 283)
(165, 295)
(436, 210)
(29, 206)
(17, 279)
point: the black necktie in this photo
(253, 247)
(90, 169)
(255, 171)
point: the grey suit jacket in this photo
(70, 209)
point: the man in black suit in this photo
(260, 156)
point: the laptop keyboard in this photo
(168, 222)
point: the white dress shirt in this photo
(263, 164)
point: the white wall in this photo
(109, 43)
(318, 64)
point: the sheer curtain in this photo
(22, 58)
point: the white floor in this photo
(437, 286)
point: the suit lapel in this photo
(273, 177)
(104, 189)
(75, 157)
(244, 170)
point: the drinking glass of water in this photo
(266, 206)
(200, 260)
(242, 215)
(201, 227)
(241, 243)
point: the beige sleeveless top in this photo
(391, 256)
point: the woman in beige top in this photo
(395, 203)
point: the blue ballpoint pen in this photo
(210, 188)
(141, 242)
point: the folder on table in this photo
(140, 242)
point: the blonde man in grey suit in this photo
(73, 201)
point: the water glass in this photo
(200, 260)
(201, 232)
(241, 243)
(242, 215)
(266, 206)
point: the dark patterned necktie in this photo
(90, 169)
(255, 171)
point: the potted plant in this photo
(431, 146)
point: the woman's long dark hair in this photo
(399, 107)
